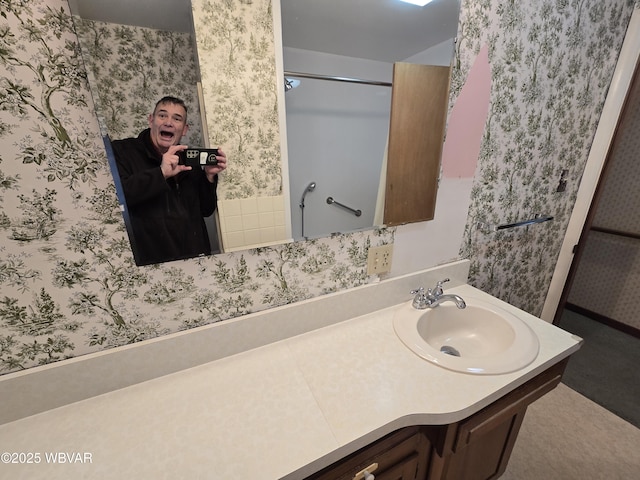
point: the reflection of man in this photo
(166, 201)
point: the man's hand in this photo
(212, 170)
(170, 159)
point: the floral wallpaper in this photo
(235, 43)
(131, 68)
(551, 66)
(68, 282)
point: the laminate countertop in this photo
(283, 410)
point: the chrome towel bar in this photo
(538, 218)
(357, 213)
(337, 79)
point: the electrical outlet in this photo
(379, 259)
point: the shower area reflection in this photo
(336, 135)
(310, 188)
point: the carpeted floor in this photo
(587, 427)
(605, 369)
(566, 436)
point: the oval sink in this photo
(480, 339)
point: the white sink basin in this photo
(480, 339)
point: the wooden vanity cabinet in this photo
(479, 447)
(476, 448)
(402, 455)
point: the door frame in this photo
(612, 110)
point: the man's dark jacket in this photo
(166, 214)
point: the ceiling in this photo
(159, 14)
(383, 30)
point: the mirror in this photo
(337, 131)
(331, 31)
(152, 57)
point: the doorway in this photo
(599, 299)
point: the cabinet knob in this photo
(366, 473)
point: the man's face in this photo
(168, 125)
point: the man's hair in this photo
(172, 100)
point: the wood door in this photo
(419, 100)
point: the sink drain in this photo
(449, 350)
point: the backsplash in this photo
(69, 283)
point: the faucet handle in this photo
(420, 300)
(438, 288)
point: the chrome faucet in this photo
(434, 297)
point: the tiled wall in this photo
(252, 222)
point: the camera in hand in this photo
(198, 157)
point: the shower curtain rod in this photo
(337, 79)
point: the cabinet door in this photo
(483, 442)
(487, 455)
(402, 455)
(407, 469)
(419, 99)
(477, 448)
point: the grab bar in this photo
(538, 218)
(357, 213)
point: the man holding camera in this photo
(166, 199)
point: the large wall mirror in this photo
(339, 59)
(337, 131)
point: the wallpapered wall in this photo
(69, 284)
(131, 68)
(236, 54)
(236, 57)
(68, 281)
(551, 65)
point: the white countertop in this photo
(286, 409)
